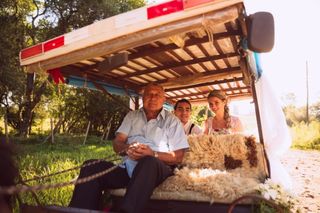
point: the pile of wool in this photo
(222, 167)
(217, 185)
(233, 152)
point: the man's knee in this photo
(93, 166)
(149, 160)
(150, 163)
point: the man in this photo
(182, 109)
(154, 141)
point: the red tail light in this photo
(165, 8)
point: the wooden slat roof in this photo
(188, 57)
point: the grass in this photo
(42, 159)
(306, 136)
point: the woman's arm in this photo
(238, 127)
(206, 127)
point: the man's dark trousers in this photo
(147, 175)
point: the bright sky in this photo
(297, 35)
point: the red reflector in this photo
(31, 51)
(193, 3)
(165, 8)
(54, 43)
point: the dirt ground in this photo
(304, 168)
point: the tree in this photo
(12, 17)
(27, 22)
(315, 111)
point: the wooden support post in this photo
(258, 117)
(87, 132)
(307, 85)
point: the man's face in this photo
(183, 112)
(153, 98)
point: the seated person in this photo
(154, 141)
(182, 109)
(222, 122)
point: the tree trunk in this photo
(107, 130)
(55, 129)
(27, 111)
(30, 104)
(87, 132)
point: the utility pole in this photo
(307, 85)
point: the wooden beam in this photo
(113, 62)
(205, 84)
(207, 92)
(96, 76)
(201, 77)
(189, 42)
(233, 39)
(173, 65)
(220, 51)
(204, 101)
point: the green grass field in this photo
(42, 159)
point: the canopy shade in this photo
(190, 52)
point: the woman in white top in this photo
(222, 122)
(182, 110)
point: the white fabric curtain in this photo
(275, 131)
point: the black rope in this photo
(11, 190)
(16, 189)
(115, 157)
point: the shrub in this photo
(306, 136)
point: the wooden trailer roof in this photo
(192, 50)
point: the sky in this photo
(297, 43)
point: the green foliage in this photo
(69, 15)
(43, 159)
(306, 136)
(295, 115)
(315, 111)
(27, 22)
(200, 114)
(11, 42)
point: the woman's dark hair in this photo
(182, 101)
(222, 96)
